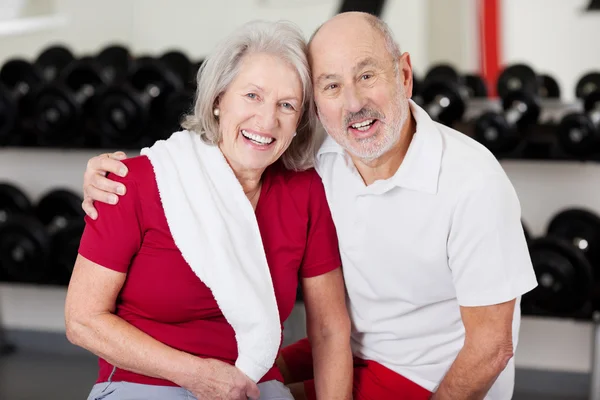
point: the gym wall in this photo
(553, 36)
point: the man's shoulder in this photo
(464, 158)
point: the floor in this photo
(42, 376)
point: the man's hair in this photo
(382, 27)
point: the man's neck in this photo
(385, 167)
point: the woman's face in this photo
(259, 112)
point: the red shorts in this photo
(372, 381)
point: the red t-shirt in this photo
(165, 299)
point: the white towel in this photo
(214, 226)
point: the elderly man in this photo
(434, 255)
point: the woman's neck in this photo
(250, 179)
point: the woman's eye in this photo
(251, 95)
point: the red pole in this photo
(489, 42)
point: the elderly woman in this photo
(181, 288)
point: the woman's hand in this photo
(214, 379)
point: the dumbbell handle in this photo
(515, 112)
(435, 108)
(595, 115)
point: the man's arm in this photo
(487, 350)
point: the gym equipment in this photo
(24, 245)
(114, 61)
(566, 262)
(445, 93)
(564, 276)
(52, 60)
(502, 132)
(60, 212)
(62, 106)
(579, 132)
(517, 77)
(526, 232)
(13, 201)
(124, 112)
(18, 80)
(416, 91)
(176, 106)
(548, 87)
(181, 65)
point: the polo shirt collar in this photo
(421, 166)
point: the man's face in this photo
(360, 89)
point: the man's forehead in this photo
(330, 70)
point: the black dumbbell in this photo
(579, 132)
(115, 61)
(60, 212)
(548, 87)
(62, 106)
(24, 244)
(416, 90)
(124, 113)
(445, 92)
(503, 132)
(177, 105)
(52, 60)
(18, 80)
(441, 94)
(181, 65)
(567, 261)
(475, 86)
(526, 232)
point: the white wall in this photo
(88, 27)
(453, 34)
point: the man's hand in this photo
(97, 187)
(220, 381)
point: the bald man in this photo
(434, 256)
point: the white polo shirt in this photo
(445, 231)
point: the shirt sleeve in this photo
(115, 236)
(321, 254)
(487, 250)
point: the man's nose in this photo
(354, 100)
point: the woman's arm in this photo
(328, 328)
(92, 324)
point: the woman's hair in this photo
(282, 39)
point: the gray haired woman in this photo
(182, 284)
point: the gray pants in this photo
(271, 390)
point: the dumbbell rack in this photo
(595, 373)
(5, 347)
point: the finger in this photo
(102, 164)
(94, 194)
(252, 390)
(105, 184)
(89, 209)
(118, 155)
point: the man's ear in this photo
(405, 67)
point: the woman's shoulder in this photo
(139, 168)
(297, 179)
(140, 174)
